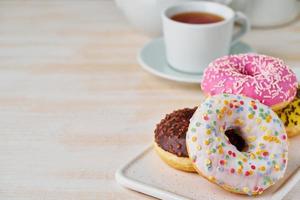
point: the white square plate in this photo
(148, 174)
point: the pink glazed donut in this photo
(260, 77)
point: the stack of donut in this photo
(237, 138)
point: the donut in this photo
(290, 116)
(260, 77)
(170, 139)
(250, 170)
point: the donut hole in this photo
(248, 70)
(235, 138)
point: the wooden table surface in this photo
(75, 104)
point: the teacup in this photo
(191, 47)
(144, 15)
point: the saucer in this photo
(152, 58)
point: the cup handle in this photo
(244, 28)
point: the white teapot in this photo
(145, 16)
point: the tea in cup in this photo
(196, 33)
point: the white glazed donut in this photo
(250, 171)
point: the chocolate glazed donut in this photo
(170, 142)
(170, 139)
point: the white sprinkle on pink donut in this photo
(260, 77)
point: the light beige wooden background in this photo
(74, 103)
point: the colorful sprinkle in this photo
(208, 131)
(207, 161)
(222, 162)
(265, 153)
(251, 138)
(206, 142)
(262, 168)
(205, 117)
(246, 189)
(194, 138)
